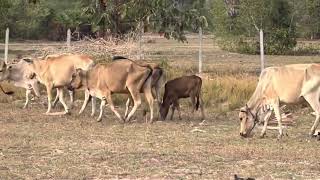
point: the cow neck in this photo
(254, 103)
(85, 78)
(40, 67)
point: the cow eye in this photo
(240, 119)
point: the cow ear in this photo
(28, 60)
(78, 71)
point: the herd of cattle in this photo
(101, 80)
(287, 84)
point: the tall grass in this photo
(224, 93)
(220, 92)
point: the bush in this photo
(279, 41)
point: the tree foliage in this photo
(35, 19)
(274, 17)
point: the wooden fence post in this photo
(69, 39)
(6, 47)
(141, 31)
(200, 50)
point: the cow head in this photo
(247, 121)
(76, 80)
(4, 71)
(164, 109)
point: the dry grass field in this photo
(35, 146)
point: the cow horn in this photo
(28, 60)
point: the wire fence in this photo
(139, 45)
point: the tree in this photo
(274, 17)
(167, 16)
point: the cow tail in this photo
(156, 75)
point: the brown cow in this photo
(124, 76)
(182, 87)
(56, 72)
(157, 80)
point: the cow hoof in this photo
(262, 135)
(92, 114)
(99, 119)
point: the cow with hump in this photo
(157, 80)
(21, 76)
(125, 77)
(284, 84)
(56, 72)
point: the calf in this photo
(182, 87)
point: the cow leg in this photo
(266, 119)
(136, 103)
(193, 101)
(203, 116)
(157, 93)
(176, 103)
(102, 105)
(71, 94)
(150, 99)
(56, 99)
(85, 102)
(173, 107)
(28, 92)
(93, 105)
(49, 93)
(61, 99)
(113, 109)
(128, 103)
(35, 87)
(277, 113)
(313, 100)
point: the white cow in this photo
(286, 84)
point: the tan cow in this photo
(124, 77)
(56, 72)
(287, 84)
(4, 73)
(157, 81)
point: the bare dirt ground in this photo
(35, 146)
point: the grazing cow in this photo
(157, 79)
(124, 76)
(56, 72)
(182, 87)
(285, 84)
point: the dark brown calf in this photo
(182, 87)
